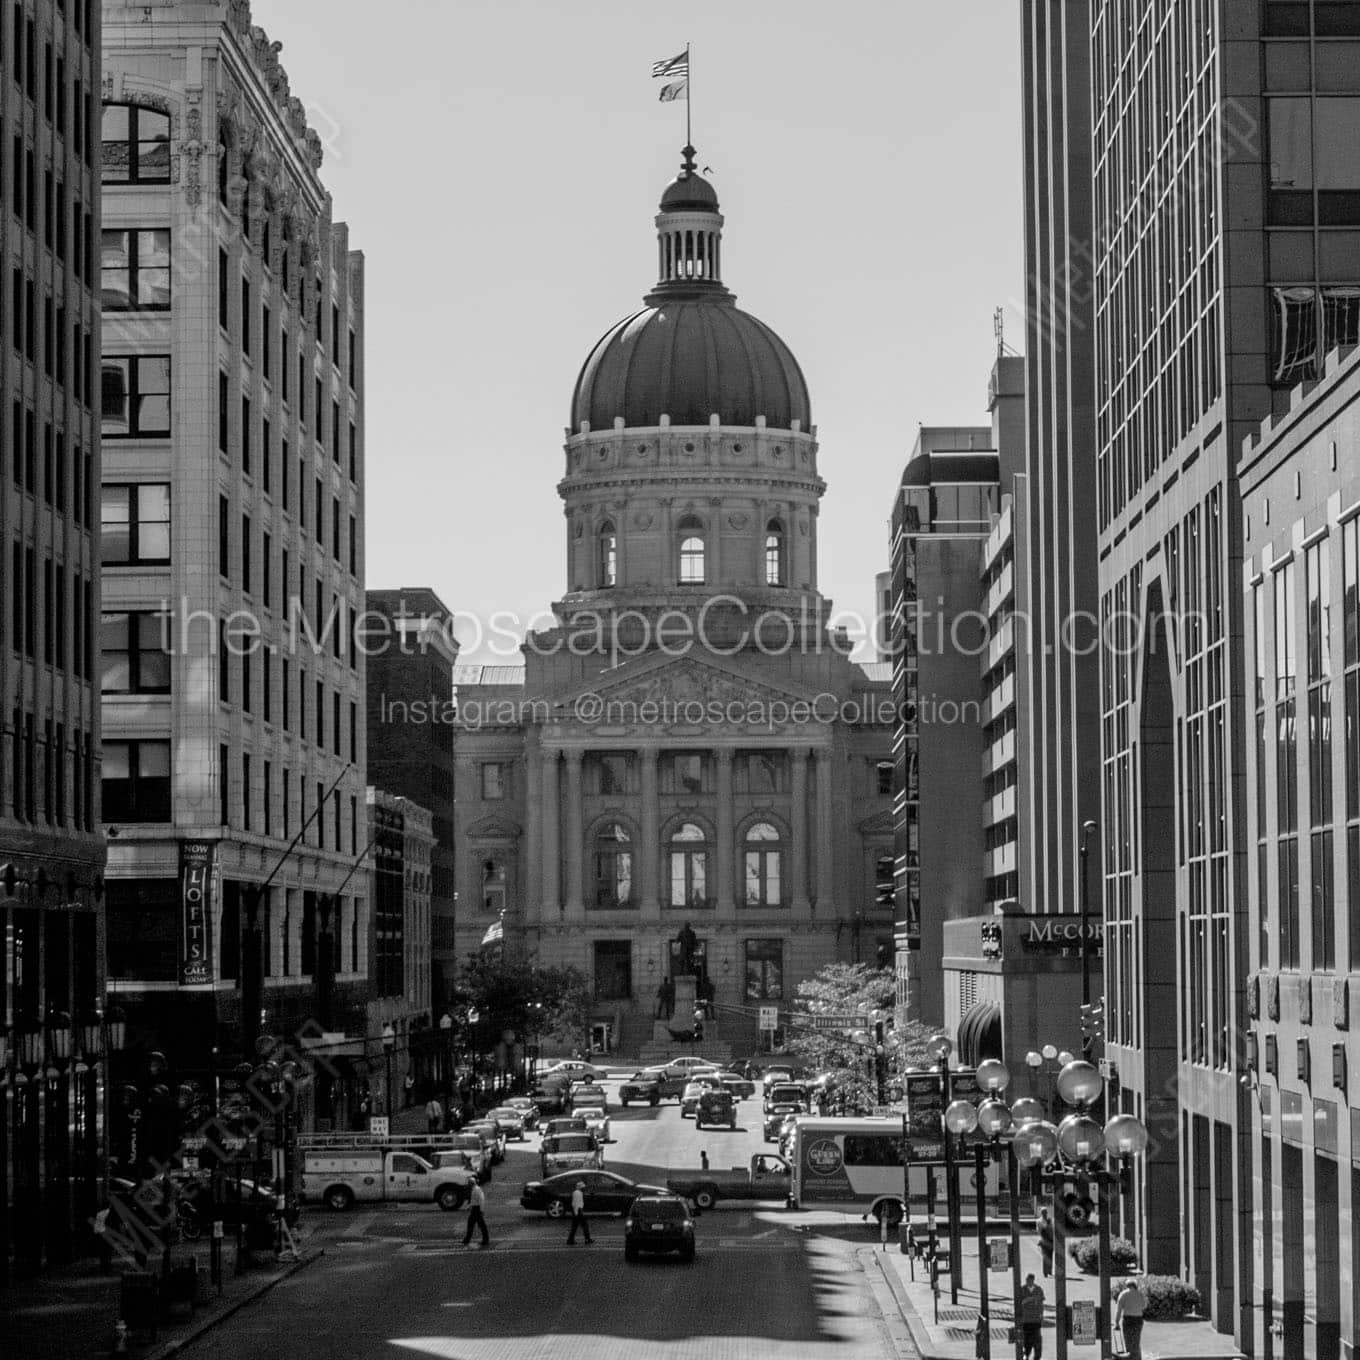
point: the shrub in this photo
(1123, 1255)
(1169, 1297)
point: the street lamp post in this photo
(474, 1016)
(1088, 829)
(940, 1046)
(1079, 1148)
(446, 1052)
(389, 1042)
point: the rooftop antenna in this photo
(999, 330)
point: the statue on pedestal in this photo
(687, 941)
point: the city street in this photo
(764, 1280)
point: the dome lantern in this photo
(689, 239)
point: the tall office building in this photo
(232, 542)
(1227, 189)
(51, 847)
(1055, 570)
(410, 746)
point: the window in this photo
(493, 780)
(607, 543)
(684, 772)
(760, 772)
(691, 552)
(135, 270)
(774, 553)
(883, 773)
(223, 538)
(245, 435)
(1319, 620)
(613, 867)
(689, 867)
(136, 786)
(1308, 323)
(135, 394)
(764, 970)
(135, 525)
(612, 774)
(134, 657)
(763, 866)
(136, 145)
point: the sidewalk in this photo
(952, 1337)
(69, 1313)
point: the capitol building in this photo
(689, 743)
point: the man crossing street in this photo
(578, 1214)
(476, 1218)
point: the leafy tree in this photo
(849, 1055)
(510, 993)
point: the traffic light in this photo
(698, 1030)
(1093, 1020)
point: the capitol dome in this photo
(690, 353)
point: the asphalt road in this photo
(766, 1282)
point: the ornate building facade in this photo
(689, 742)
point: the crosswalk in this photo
(542, 1248)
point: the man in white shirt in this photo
(476, 1218)
(578, 1214)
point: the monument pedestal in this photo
(682, 1016)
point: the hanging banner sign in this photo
(195, 938)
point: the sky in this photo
(499, 165)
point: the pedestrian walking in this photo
(1046, 1242)
(578, 1214)
(476, 1218)
(1032, 1319)
(1129, 1307)
(434, 1115)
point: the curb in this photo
(919, 1335)
(177, 1344)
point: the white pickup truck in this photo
(339, 1178)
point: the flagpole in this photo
(689, 96)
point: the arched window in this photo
(613, 867)
(689, 867)
(691, 551)
(136, 145)
(764, 864)
(607, 559)
(774, 553)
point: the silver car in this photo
(511, 1121)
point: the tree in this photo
(510, 993)
(848, 1054)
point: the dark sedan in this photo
(606, 1192)
(658, 1223)
(642, 1087)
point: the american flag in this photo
(672, 66)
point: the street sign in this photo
(377, 1125)
(1083, 1332)
(999, 1254)
(769, 1017)
(830, 1021)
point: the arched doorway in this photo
(1160, 950)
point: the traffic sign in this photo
(377, 1125)
(999, 1254)
(769, 1017)
(830, 1021)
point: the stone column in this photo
(531, 893)
(825, 867)
(574, 833)
(725, 850)
(551, 858)
(798, 856)
(647, 863)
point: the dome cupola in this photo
(690, 354)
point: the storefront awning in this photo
(980, 1034)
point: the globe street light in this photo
(940, 1046)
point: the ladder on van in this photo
(397, 1142)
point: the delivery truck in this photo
(349, 1172)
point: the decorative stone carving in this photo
(739, 521)
(1305, 993)
(238, 16)
(1341, 1009)
(1254, 998)
(193, 148)
(1272, 998)
(642, 521)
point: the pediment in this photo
(493, 829)
(689, 691)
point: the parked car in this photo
(570, 1152)
(550, 1096)
(511, 1120)
(715, 1107)
(658, 1223)
(472, 1154)
(597, 1122)
(687, 1066)
(643, 1087)
(606, 1192)
(565, 1124)
(588, 1095)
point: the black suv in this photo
(716, 1107)
(658, 1223)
